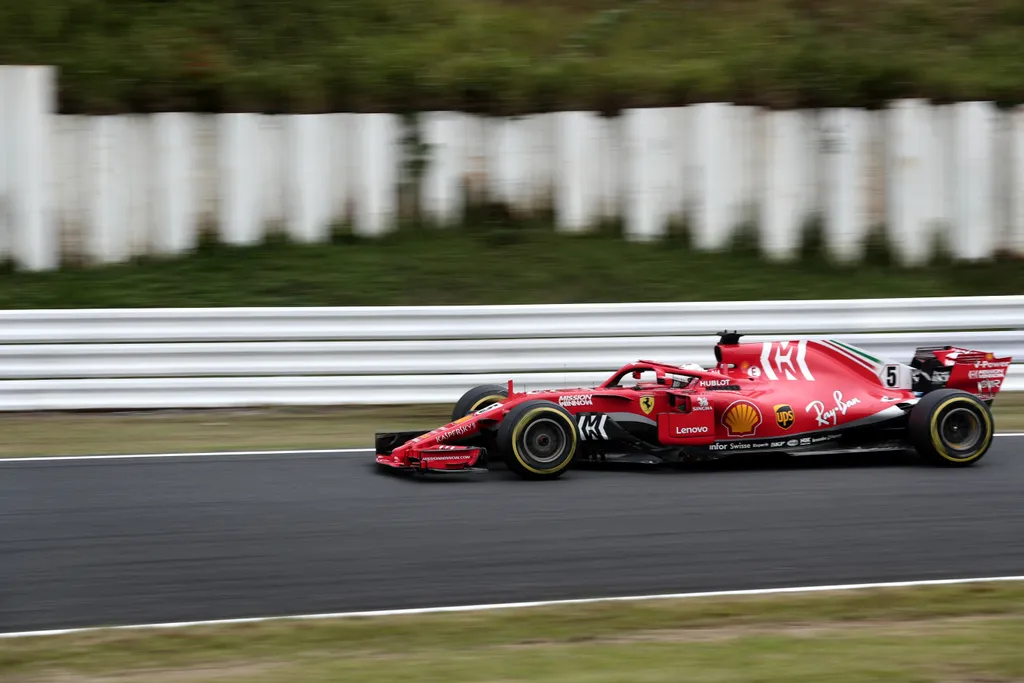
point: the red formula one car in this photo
(793, 396)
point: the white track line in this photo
(215, 454)
(207, 454)
(516, 605)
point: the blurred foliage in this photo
(512, 56)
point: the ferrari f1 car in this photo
(797, 397)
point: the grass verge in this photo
(947, 633)
(213, 430)
(258, 429)
(491, 261)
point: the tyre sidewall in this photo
(513, 428)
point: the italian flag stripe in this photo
(858, 352)
(859, 360)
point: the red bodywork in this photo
(777, 395)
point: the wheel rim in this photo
(961, 429)
(544, 441)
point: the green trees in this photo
(512, 56)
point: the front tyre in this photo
(951, 428)
(477, 398)
(538, 440)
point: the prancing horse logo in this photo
(647, 404)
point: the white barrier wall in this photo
(104, 189)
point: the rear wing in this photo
(951, 367)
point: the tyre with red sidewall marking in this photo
(951, 428)
(477, 398)
(538, 439)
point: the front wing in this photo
(398, 451)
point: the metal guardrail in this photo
(237, 392)
(232, 359)
(503, 322)
(192, 358)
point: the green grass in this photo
(244, 430)
(489, 262)
(507, 56)
(944, 634)
(212, 430)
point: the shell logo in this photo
(742, 418)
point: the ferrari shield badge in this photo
(647, 404)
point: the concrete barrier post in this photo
(70, 148)
(497, 163)
(744, 173)
(812, 203)
(1015, 238)
(6, 148)
(678, 198)
(273, 150)
(307, 148)
(136, 152)
(173, 196)
(206, 175)
(441, 193)
(339, 174)
(782, 216)
(513, 168)
(908, 135)
(610, 167)
(241, 220)
(973, 232)
(108, 197)
(31, 103)
(844, 151)
(712, 183)
(542, 161)
(940, 175)
(648, 150)
(577, 179)
(379, 155)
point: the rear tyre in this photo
(477, 398)
(538, 439)
(951, 428)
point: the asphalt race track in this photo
(105, 542)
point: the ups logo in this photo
(784, 416)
